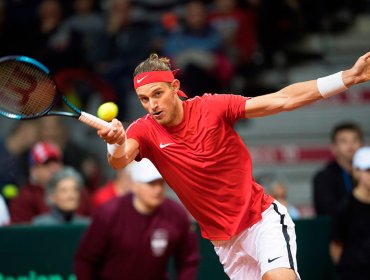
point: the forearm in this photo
(119, 156)
(292, 97)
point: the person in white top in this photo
(4, 213)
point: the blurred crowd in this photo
(93, 46)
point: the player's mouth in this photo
(158, 114)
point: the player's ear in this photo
(175, 85)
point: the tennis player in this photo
(196, 149)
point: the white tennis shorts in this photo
(269, 244)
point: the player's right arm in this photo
(121, 151)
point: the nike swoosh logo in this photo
(271, 260)
(164, 145)
(141, 79)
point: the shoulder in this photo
(80, 220)
(45, 219)
(328, 170)
(215, 99)
(140, 125)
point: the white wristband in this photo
(116, 150)
(331, 85)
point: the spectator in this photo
(122, 49)
(14, 149)
(335, 181)
(45, 160)
(350, 240)
(152, 11)
(46, 43)
(4, 213)
(84, 161)
(62, 194)
(135, 235)
(84, 27)
(278, 191)
(237, 27)
(118, 186)
(195, 48)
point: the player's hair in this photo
(346, 126)
(153, 63)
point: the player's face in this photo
(148, 196)
(160, 100)
(346, 144)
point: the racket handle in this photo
(93, 121)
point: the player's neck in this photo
(178, 114)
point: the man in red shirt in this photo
(194, 146)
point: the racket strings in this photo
(25, 90)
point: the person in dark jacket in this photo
(133, 237)
(350, 228)
(332, 183)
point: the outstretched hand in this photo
(361, 69)
(115, 134)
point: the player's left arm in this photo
(300, 94)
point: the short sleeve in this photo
(232, 107)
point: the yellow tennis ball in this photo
(10, 191)
(108, 111)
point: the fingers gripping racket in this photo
(27, 91)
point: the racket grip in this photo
(93, 121)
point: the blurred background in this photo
(246, 47)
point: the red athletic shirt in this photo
(206, 163)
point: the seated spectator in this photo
(74, 154)
(195, 48)
(4, 213)
(350, 237)
(45, 160)
(279, 191)
(85, 28)
(62, 194)
(120, 185)
(119, 56)
(135, 235)
(45, 42)
(238, 30)
(335, 181)
(152, 11)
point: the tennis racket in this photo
(27, 91)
